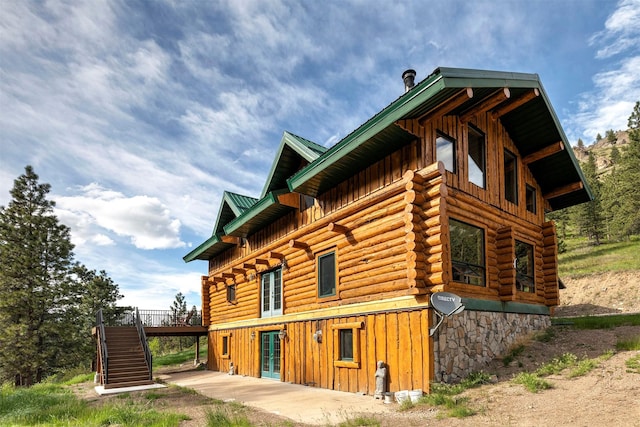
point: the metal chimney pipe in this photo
(408, 78)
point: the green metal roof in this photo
(208, 249)
(262, 213)
(532, 126)
(232, 206)
(294, 153)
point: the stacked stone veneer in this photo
(468, 341)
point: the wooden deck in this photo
(175, 331)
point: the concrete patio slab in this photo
(299, 403)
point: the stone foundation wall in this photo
(468, 341)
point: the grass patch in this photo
(49, 404)
(633, 364)
(557, 365)
(545, 336)
(179, 358)
(228, 416)
(532, 382)
(446, 396)
(361, 421)
(513, 354)
(628, 344)
(577, 260)
(599, 322)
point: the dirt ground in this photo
(608, 395)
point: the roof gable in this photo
(231, 207)
(533, 126)
(294, 153)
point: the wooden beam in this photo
(248, 266)
(547, 151)
(561, 191)
(496, 98)
(262, 261)
(228, 275)
(452, 103)
(337, 228)
(290, 199)
(236, 270)
(515, 103)
(218, 279)
(298, 244)
(231, 239)
(276, 255)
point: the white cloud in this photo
(144, 220)
(617, 87)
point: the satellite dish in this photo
(444, 305)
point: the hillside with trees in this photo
(49, 300)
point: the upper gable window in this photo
(531, 199)
(510, 177)
(446, 151)
(477, 162)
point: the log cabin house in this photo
(330, 269)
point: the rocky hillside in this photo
(602, 149)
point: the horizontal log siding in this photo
(400, 339)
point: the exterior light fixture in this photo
(282, 334)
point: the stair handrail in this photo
(104, 354)
(145, 345)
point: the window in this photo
(446, 151)
(224, 345)
(271, 291)
(477, 162)
(467, 253)
(531, 199)
(347, 344)
(231, 293)
(326, 264)
(524, 267)
(510, 177)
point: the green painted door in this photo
(270, 355)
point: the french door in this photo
(270, 355)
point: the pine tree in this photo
(588, 216)
(611, 136)
(626, 217)
(580, 143)
(35, 256)
(48, 302)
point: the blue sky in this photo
(140, 114)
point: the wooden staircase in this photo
(127, 365)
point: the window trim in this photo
(454, 154)
(335, 295)
(231, 289)
(355, 328)
(531, 277)
(271, 312)
(484, 254)
(481, 135)
(530, 189)
(225, 345)
(515, 194)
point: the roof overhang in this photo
(533, 127)
(208, 249)
(262, 213)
